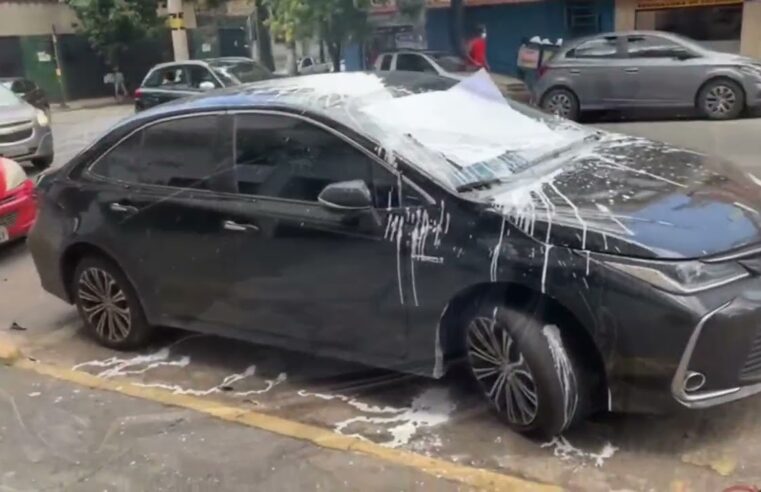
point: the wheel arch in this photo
(450, 341)
(556, 86)
(76, 252)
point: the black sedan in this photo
(411, 222)
(169, 81)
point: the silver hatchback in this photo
(25, 133)
(647, 69)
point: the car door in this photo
(163, 216)
(303, 270)
(660, 72)
(593, 71)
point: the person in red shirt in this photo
(477, 49)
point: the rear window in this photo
(595, 48)
(385, 62)
(450, 63)
(244, 72)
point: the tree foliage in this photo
(112, 25)
(333, 21)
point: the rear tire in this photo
(721, 99)
(561, 102)
(525, 370)
(108, 305)
(43, 163)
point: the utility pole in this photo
(58, 70)
(179, 34)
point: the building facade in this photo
(733, 26)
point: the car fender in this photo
(723, 72)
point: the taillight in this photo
(138, 93)
(542, 70)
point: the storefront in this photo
(718, 24)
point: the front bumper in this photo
(18, 211)
(37, 146)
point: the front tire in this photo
(561, 102)
(108, 305)
(525, 370)
(721, 99)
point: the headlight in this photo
(680, 277)
(14, 174)
(42, 118)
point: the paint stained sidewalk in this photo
(59, 436)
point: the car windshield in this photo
(7, 97)
(243, 72)
(450, 63)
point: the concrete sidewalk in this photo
(92, 103)
(60, 436)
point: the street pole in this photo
(58, 70)
(179, 34)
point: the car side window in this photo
(168, 77)
(651, 47)
(285, 157)
(385, 62)
(306, 62)
(180, 153)
(413, 63)
(596, 48)
(199, 75)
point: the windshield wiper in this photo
(484, 183)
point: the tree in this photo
(112, 25)
(335, 21)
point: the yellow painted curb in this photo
(475, 477)
(9, 352)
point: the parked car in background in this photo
(446, 65)
(571, 269)
(18, 204)
(308, 65)
(25, 133)
(28, 91)
(169, 81)
(647, 69)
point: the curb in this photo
(9, 352)
(477, 478)
(99, 105)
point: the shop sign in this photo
(677, 4)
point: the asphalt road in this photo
(706, 450)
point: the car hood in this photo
(636, 197)
(16, 112)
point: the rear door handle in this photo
(231, 225)
(631, 70)
(121, 208)
(575, 71)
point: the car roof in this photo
(176, 63)
(415, 51)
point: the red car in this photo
(18, 202)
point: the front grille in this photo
(16, 136)
(752, 368)
(8, 220)
(15, 123)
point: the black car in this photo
(402, 221)
(28, 91)
(169, 81)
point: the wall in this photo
(625, 15)
(508, 25)
(27, 19)
(750, 42)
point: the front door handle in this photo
(631, 70)
(121, 208)
(231, 225)
(575, 71)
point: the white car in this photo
(446, 65)
(309, 65)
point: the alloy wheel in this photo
(105, 305)
(559, 104)
(720, 100)
(502, 371)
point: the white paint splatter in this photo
(566, 451)
(564, 370)
(576, 212)
(431, 408)
(746, 208)
(547, 248)
(497, 251)
(754, 179)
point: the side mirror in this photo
(206, 85)
(346, 195)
